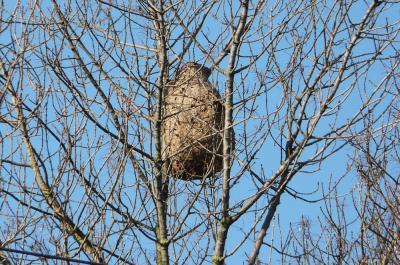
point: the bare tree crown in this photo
(118, 146)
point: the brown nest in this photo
(193, 124)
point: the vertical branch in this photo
(226, 221)
(264, 228)
(161, 181)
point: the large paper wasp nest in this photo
(192, 129)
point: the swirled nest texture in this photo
(193, 124)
